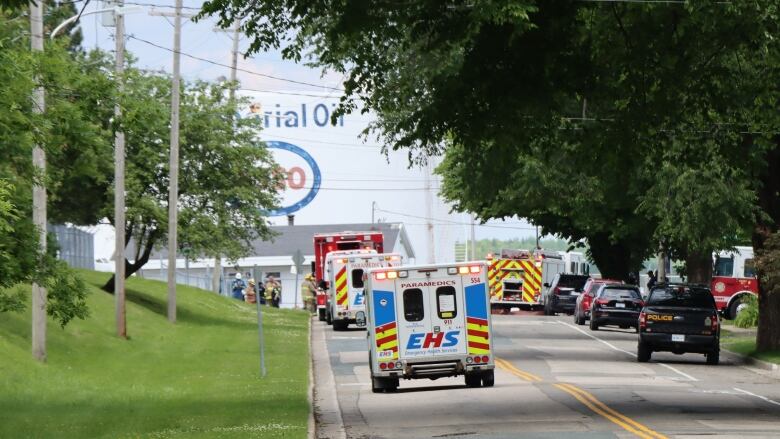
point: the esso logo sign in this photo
(301, 177)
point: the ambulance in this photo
(344, 271)
(429, 321)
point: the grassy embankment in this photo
(197, 378)
(744, 343)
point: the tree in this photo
(22, 261)
(227, 177)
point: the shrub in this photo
(748, 317)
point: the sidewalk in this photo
(772, 368)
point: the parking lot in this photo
(553, 379)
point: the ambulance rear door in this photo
(431, 315)
(357, 266)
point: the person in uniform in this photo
(309, 294)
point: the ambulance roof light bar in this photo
(382, 275)
(464, 269)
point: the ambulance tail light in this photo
(452, 270)
(381, 275)
(383, 366)
(343, 261)
(485, 358)
(474, 269)
(392, 274)
(463, 270)
(477, 360)
(469, 360)
(398, 365)
(403, 274)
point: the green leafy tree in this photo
(22, 261)
(227, 177)
(656, 113)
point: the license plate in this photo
(620, 305)
(678, 337)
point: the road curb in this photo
(310, 396)
(773, 369)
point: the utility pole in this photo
(173, 189)
(373, 211)
(429, 213)
(233, 78)
(39, 192)
(119, 181)
(473, 240)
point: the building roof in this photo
(301, 237)
(292, 238)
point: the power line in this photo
(239, 69)
(458, 223)
(192, 8)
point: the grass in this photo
(198, 378)
(746, 345)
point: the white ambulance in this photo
(344, 271)
(429, 321)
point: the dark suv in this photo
(616, 305)
(679, 318)
(562, 293)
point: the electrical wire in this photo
(238, 69)
(452, 222)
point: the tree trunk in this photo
(613, 259)
(130, 269)
(768, 334)
(699, 268)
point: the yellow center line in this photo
(590, 401)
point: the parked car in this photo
(679, 318)
(616, 304)
(582, 307)
(562, 293)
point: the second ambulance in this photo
(429, 321)
(344, 271)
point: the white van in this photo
(429, 321)
(344, 270)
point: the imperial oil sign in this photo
(333, 175)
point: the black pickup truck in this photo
(679, 318)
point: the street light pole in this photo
(119, 182)
(39, 192)
(173, 189)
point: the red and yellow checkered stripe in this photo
(532, 280)
(499, 270)
(387, 338)
(478, 334)
(341, 287)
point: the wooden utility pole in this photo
(173, 189)
(233, 77)
(119, 181)
(39, 192)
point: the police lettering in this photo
(660, 318)
(420, 340)
(434, 283)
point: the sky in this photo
(356, 179)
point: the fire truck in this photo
(733, 279)
(325, 243)
(517, 277)
(344, 271)
(429, 321)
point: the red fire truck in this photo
(733, 279)
(325, 243)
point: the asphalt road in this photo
(554, 380)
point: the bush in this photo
(748, 317)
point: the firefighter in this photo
(309, 294)
(250, 295)
(272, 292)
